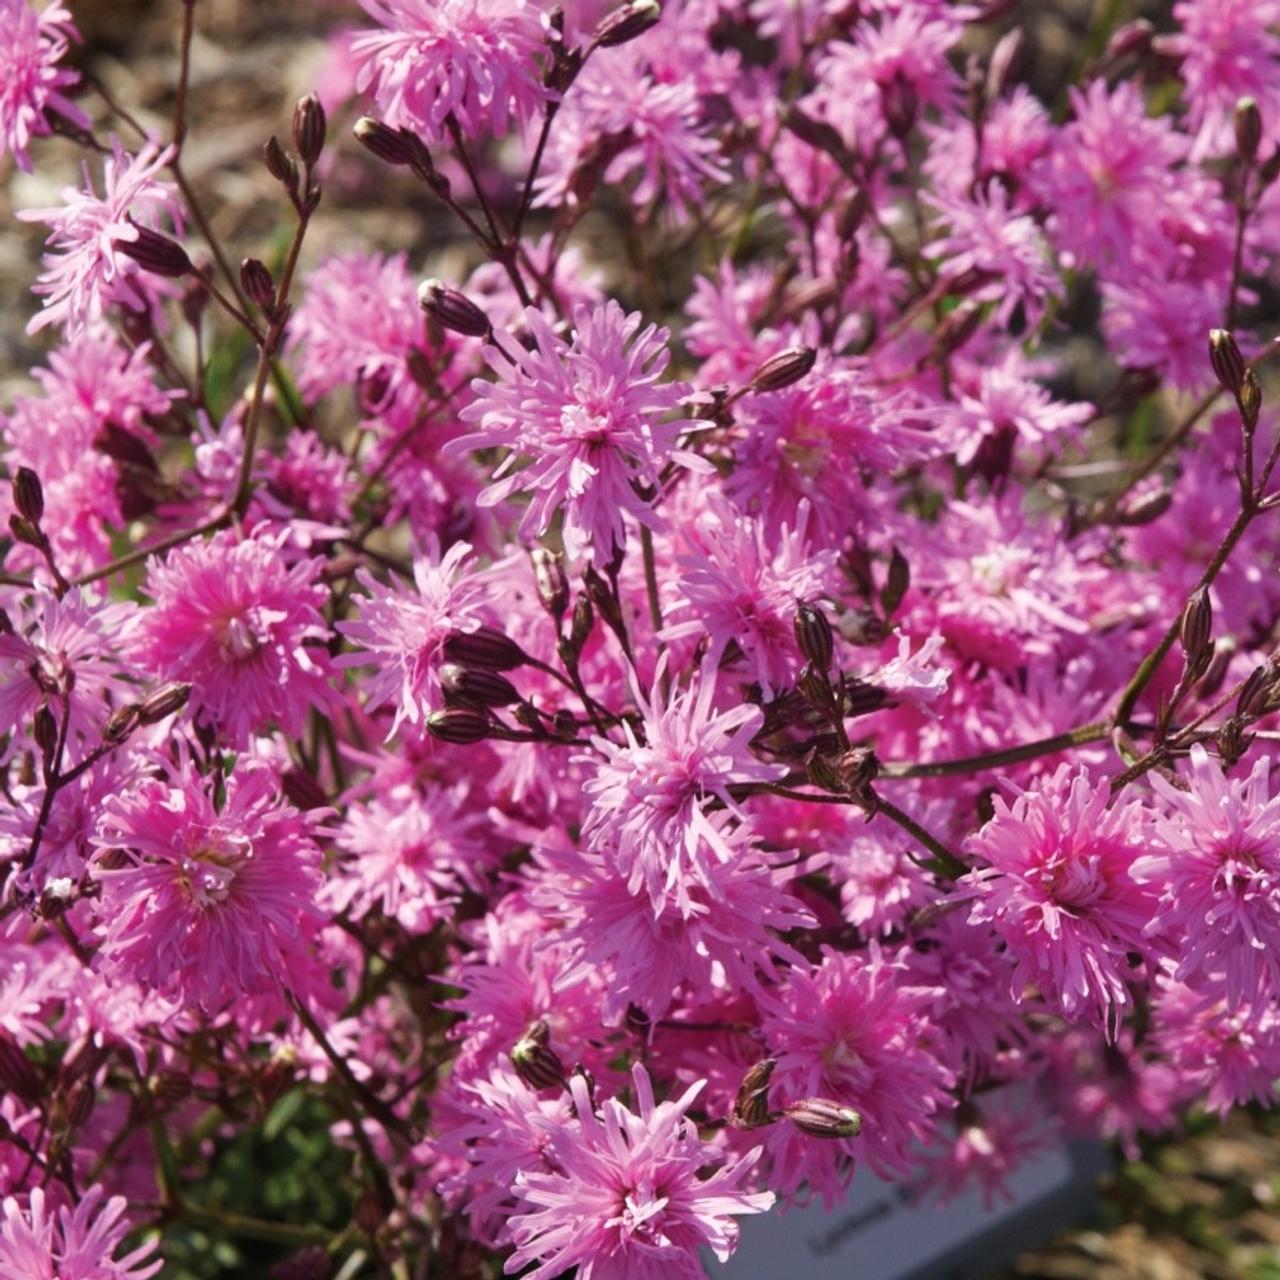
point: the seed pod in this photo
(1195, 632)
(155, 253)
(163, 702)
(309, 129)
(485, 647)
(1228, 363)
(814, 637)
(822, 1118)
(28, 494)
(464, 686)
(784, 369)
(535, 1062)
(452, 309)
(256, 281)
(1248, 127)
(460, 725)
(625, 24)
(1249, 398)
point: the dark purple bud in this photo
(549, 578)
(44, 729)
(460, 725)
(24, 531)
(1145, 509)
(819, 135)
(485, 647)
(452, 309)
(896, 583)
(155, 253)
(28, 494)
(625, 24)
(258, 286)
(17, 1073)
(303, 790)
(1132, 38)
(535, 1062)
(901, 105)
(120, 724)
(858, 769)
(279, 165)
(1258, 694)
(309, 129)
(392, 146)
(1249, 399)
(581, 623)
(163, 702)
(823, 772)
(1228, 363)
(822, 1118)
(853, 214)
(814, 637)
(1248, 123)
(751, 1106)
(465, 686)
(783, 369)
(1195, 632)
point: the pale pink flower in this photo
(1058, 886)
(593, 417)
(988, 1149)
(475, 60)
(1215, 868)
(915, 679)
(402, 632)
(31, 82)
(234, 619)
(628, 1196)
(81, 1244)
(214, 902)
(86, 272)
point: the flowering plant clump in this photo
(747, 638)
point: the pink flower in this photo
(244, 628)
(31, 82)
(87, 273)
(1216, 871)
(988, 1149)
(1059, 888)
(402, 633)
(80, 1245)
(629, 1198)
(852, 1029)
(592, 416)
(1160, 324)
(913, 678)
(214, 901)
(740, 585)
(474, 60)
(649, 797)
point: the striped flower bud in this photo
(465, 686)
(1227, 362)
(280, 165)
(28, 494)
(485, 647)
(309, 127)
(120, 724)
(751, 1106)
(452, 309)
(460, 725)
(535, 1062)
(549, 578)
(391, 146)
(155, 253)
(1195, 631)
(822, 1118)
(814, 637)
(163, 702)
(784, 369)
(1249, 398)
(256, 281)
(625, 24)
(1248, 128)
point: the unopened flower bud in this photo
(155, 253)
(896, 583)
(44, 729)
(751, 1106)
(163, 702)
(783, 369)
(17, 1074)
(549, 578)
(1228, 363)
(279, 165)
(814, 637)
(1146, 508)
(900, 104)
(28, 494)
(460, 725)
(862, 698)
(256, 281)
(852, 214)
(1233, 742)
(535, 1062)
(76, 1103)
(303, 790)
(309, 128)
(821, 770)
(120, 724)
(392, 146)
(22, 530)
(814, 686)
(1195, 632)
(580, 624)
(452, 309)
(1131, 39)
(485, 647)
(1004, 62)
(1248, 126)
(465, 686)
(822, 1118)
(819, 135)
(625, 24)
(1258, 694)
(1249, 398)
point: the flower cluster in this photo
(710, 649)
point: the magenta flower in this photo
(592, 417)
(851, 1029)
(1058, 887)
(243, 627)
(402, 633)
(86, 273)
(1216, 871)
(80, 1245)
(474, 60)
(31, 82)
(649, 798)
(213, 902)
(629, 1198)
